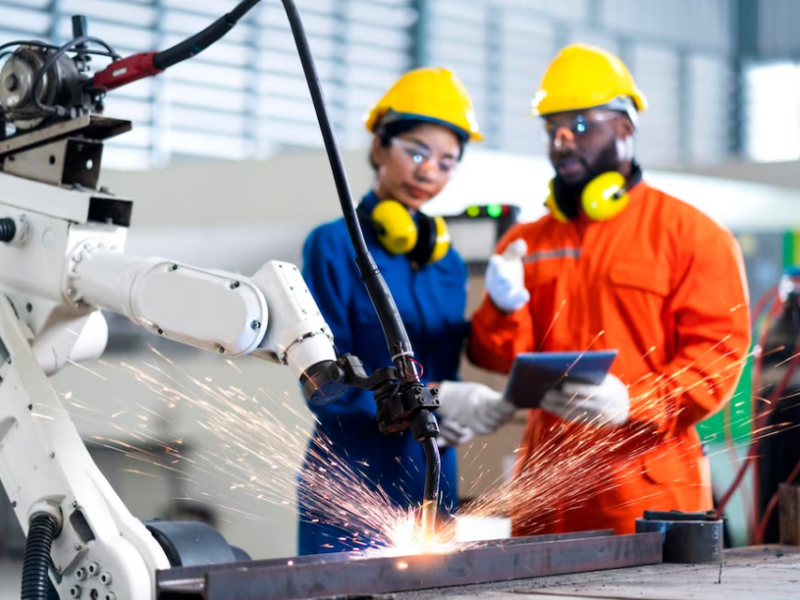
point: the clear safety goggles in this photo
(576, 126)
(420, 155)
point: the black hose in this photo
(200, 41)
(391, 323)
(8, 229)
(36, 562)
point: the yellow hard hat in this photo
(584, 76)
(432, 94)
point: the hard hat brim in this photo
(391, 116)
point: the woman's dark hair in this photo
(396, 128)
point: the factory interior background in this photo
(226, 168)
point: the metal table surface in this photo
(754, 573)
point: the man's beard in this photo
(569, 194)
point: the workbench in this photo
(758, 573)
(588, 564)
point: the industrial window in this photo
(772, 111)
(245, 96)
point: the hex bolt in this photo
(75, 591)
(93, 568)
(105, 578)
(173, 268)
(256, 325)
(80, 574)
(221, 349)
(234, 285)
(110, 596)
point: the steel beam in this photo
(350, 573)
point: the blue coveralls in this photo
(431, 301)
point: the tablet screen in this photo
(534, 374)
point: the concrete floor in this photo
(765, 573)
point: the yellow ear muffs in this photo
(605, 196)
(552, 205)
(395, 228)
(424, 242)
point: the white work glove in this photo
(607, 404)
(505, 278)
(473, 405)
(452, 434)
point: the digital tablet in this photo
(534, 374)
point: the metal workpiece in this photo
(345, 574)
(688, 537)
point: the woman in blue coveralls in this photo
(421, 127)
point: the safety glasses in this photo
(421, 155)
(576, 126)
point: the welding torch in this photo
(403, 402)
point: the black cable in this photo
(46, 46)
(36, 561)
(379, 293)
(200, 41)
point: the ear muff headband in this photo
(425, 241)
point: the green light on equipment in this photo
(494, 210)
(473, 211)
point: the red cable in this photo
(760, 305)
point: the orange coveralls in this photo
(663, 284)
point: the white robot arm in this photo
(61, 260)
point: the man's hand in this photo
(505, 278)
(473, 405)
(607, 404)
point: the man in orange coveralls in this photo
(619, 265)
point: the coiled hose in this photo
(36, 562)
(8, 229)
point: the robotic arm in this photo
(59, 264)
(61, 260)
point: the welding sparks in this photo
(258, 459)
